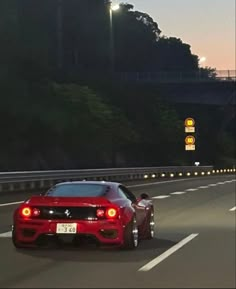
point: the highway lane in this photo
(161, 187)
(198, 206)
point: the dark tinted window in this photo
(78, 190)
(128, 194)
(121, 194)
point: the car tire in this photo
(131, 236)
(150, 233)
(14, 240)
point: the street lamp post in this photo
(112, 56)
(59, 35)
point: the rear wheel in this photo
(151, 227)
(131, 236)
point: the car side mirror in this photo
(145, 200)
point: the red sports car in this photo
(107, 213)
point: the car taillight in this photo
(100, 213)
(28, 212)
(36, 212)
(108, 213)
(111, 213)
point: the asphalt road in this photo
(194, 245)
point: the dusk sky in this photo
(207, 25)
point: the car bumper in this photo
(103, 232)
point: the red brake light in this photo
(111, 213)
(36, 212)
(100, 213)
(26, 212)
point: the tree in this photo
(135, 35)
(174, 55)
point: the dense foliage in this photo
(52, 116)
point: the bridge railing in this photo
(195, 76)
(20, 181)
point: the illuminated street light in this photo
(115, 7)
(112, 8)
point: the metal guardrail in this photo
(19, 181)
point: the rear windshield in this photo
(77, 190)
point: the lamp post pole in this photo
(111, 48)
(59, 35)
(112, 8)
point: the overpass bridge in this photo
(216, 88)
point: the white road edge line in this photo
(11, 204)
(156, 183)
(133, 186)
(166, 254)
(233, 209)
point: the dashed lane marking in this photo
(161, 197)
(168, 253)
(233, 209)
(6, 235)
(178, 193)
(131, 186)
(148, 184)
(156, 183)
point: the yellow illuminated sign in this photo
(189, 122)
(190, 140)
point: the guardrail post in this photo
(11, 187)
(32, 185)
(22, 186)
(41, 185)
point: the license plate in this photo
(69, 228)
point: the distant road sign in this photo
(190, 147)
(189, 122)
(190, 140)
(189, 129)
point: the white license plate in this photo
(69, 228)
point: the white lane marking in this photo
(139, 185)
(221, 183)
(11, 204)
(6, 235)
(156, 183)
(166, 254)
(178, 193)
(233, 209)
(132, 186)
(191, 190)
(161, 197)
(212, 185)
